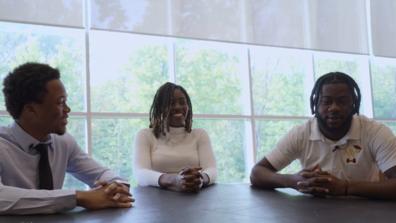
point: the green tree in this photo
(134, 90)
(113, 143)
(228, 142)
(212, 79)
(276, 90)
(384, 88)
(268, 133)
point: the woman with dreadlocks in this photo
(170, 154)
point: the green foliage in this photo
(113, 143)
(62, 52)
(211, 78)
(214, 79)
(136, 87)
(227, 138)
(278, 85)
(268, 135)
(76, 127)
(323, 66)
(384, 91)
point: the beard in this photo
(344, 127)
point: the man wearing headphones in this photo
(342, 153)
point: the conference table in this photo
(227, 203)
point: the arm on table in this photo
(265, 176)
(207, 159)
(21, 201)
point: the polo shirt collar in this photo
(353, 133)
(24, 139)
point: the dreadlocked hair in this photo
(160, 109)
(335, 78)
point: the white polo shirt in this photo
(368, 148)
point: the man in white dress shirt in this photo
(36, 151)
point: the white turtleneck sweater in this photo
(169, 154)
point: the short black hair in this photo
(335, 78)
(160, 109)
(26, 84)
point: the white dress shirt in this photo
(19, 172)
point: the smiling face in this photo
(52, 113)
(178, 109)
(335, 109)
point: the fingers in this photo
(190, 179)
(196, 178)
(190, 170)
(100, 183)
(308, 174)
(123, 202)
(313, 173)
(97, 199)
(192, 184)
(317, 168)
(316, 181)
(123, 198)
(115, 187)
(118, 192)
(318, 186)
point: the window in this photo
(383, 76)
(113, 140)
(229, 141)
(126, 73)
(281, 81)
(269, 132)
(249, 71)
(77, 128)
(62, 48)
(214, 75)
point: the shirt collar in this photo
(24, 139)
(353, 133)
